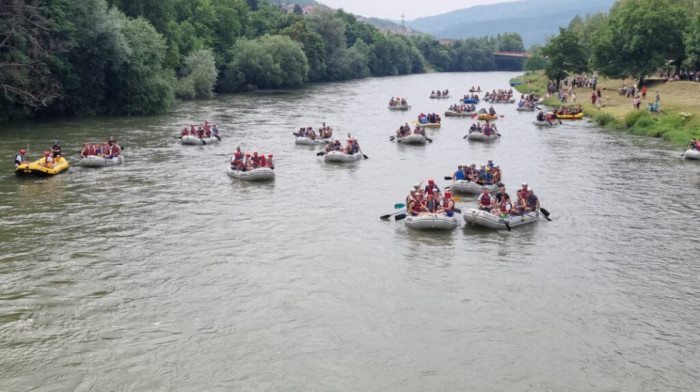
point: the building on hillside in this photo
(305, 9)
(447, 41)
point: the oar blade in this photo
(399, 205)
(448, 178)
(387, 216)
(400, 216)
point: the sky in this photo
(413, 9)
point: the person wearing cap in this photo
(237, 160)
(21, 157)
(524, 189)
(56, 149)
(254, 161)
(485, 177)
(459, 174)
(485, 200)
(533, 202)
(270, 164)
(263, 160)
(48, 160)
(490, 164)
(429, 188)
(448, 204)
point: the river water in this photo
(164, 274)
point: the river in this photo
(165, 274)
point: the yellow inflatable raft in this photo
(37, 168)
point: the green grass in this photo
(678, 121)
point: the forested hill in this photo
(534, 20)
(93, 57)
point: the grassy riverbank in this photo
(678, 121)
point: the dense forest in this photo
(634, 39)
(92, 57)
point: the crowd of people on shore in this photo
(397, 102)
(487, 174)
(429, 200)
(109, 149)
(430, 118)
(247, 161)
(205, 131)
(325, 132)
(501, 204)
(438, 93)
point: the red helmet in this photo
(269, 156)
(336, 141)
(46, 153)
(448, 193)
(247, 155)
(22, 152)
(238, 154)
(255, 153)
(430, 181)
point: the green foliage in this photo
(691, 39)
(604, 119)
(563, 54)
(510, 42)
(269, 61)
(632, 117)
(637, 38)
(198, 75)
(534, 63)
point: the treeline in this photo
(634, 39)
(89, 57)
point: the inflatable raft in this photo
(452, 113)
(480, 136)
(553, 123)
(471, 187)
(259, 174)
(190, 140)
(439, 96)
(485, 219)
(415, 138)
(97, 161)
(511, 100)
(526, 109)
(691, 154)
(570, 116)
(399, 107)
(474, 91)
(37, 169)
(489, 117)
(470, 100)
(340, 156)
(429, 125)
(307, 141)
(428, 221)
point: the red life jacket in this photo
(115, 150)
(485, 200)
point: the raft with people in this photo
(474, 216)
(192, 140)
(414, 138)
(342, 156)
(399, 107)
(691, 154)
(482, 136)
(42, 168)
(100, 161)
(452, 113)
(552, 123)
(487, 117)
(576, 116)
(440, 94)
(308, 141)
(472, 187)
(431, 221)
(257, 174)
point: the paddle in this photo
(217, 136)
(397, 206)
(428, 139)
(320, 153)
(400, 216)
(391, 138)
(545, 213)
(448, 179)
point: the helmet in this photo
(46, 153)
(336, 141)
(448, 193)
(22, 151)
(247, 155)
(255, 153)
(431, 182)
(269, 156)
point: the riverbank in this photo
(678, 120)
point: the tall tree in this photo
(564, 54)
(692, 43)
(638, 38)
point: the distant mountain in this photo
(534, 20)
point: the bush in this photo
(604, 119)
(632, 117)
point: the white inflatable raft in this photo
(195, 141)
(439, 96)
(473, 216)
(526, 109)
(481, 137)
(471, 187)
(97, 161)
(259, 174)
(306, 141)
(691, 154)
(554, 123)
(415, 138)
(452, 113)
(431, 222)
(399, 107)
(340, 156)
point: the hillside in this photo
(534, 20)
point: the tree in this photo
(637, 39)
(198, 75)
(534, 63)
(332, 31)
(510, 42)
(27, 48)
(564, 54)
(692, 43)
